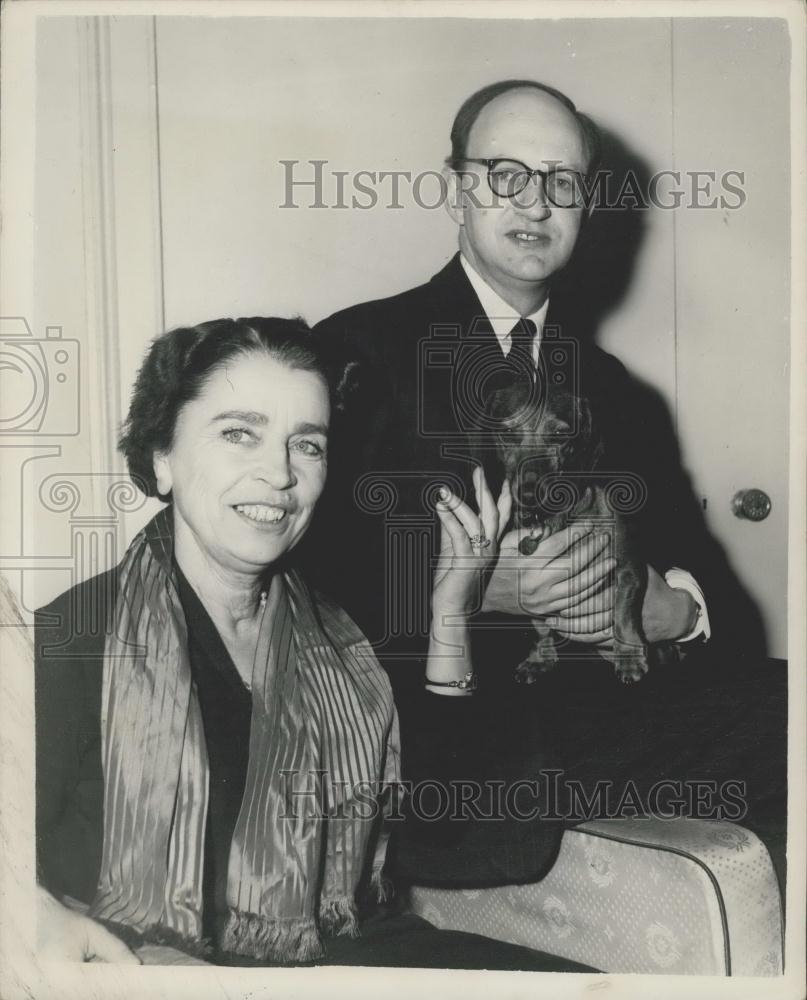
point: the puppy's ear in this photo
(487, 447)
(585, 448)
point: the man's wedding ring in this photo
(479, 542)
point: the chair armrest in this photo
(677, 896)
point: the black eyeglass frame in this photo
(529, 174)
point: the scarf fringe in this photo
(270, 939)
(338, 916)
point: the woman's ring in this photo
(479, 541)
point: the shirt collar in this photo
(502, 317)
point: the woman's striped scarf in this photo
(323, 740)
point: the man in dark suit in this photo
(520, 157)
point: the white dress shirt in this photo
(503, 317)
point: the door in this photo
(730, 102)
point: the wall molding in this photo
(99, 239)
(122, 219)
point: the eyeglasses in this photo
(507, 178)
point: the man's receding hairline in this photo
(472, 108)
(531, 88)
(540, 92)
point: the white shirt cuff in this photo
(680, 579)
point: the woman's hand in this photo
(67, 936)
(469, 543)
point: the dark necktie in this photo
(521, 339)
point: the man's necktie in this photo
(509, 387)
(521, 340)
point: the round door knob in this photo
(752, 505)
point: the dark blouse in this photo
(226, 715)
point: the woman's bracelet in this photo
(468, 683)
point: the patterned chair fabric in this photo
(680, 896)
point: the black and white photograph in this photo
(402, 455)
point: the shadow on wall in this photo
(602, 269)
(595, 283)
(738, 630)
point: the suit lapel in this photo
(455, 298)
(477, 360)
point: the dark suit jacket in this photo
(69, 651)
(421, 358)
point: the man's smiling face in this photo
(518, 245)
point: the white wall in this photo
(238, 97)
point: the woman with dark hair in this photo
(214, 740)
(216, 680)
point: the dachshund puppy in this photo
(549, 450)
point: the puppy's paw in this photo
(542, 657)
(527, 672)
(630, 669)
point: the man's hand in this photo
(66, 936)
(667, 614)
(568, 578)
(568, 583)
(591, 620)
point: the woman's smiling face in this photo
(248, 460)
